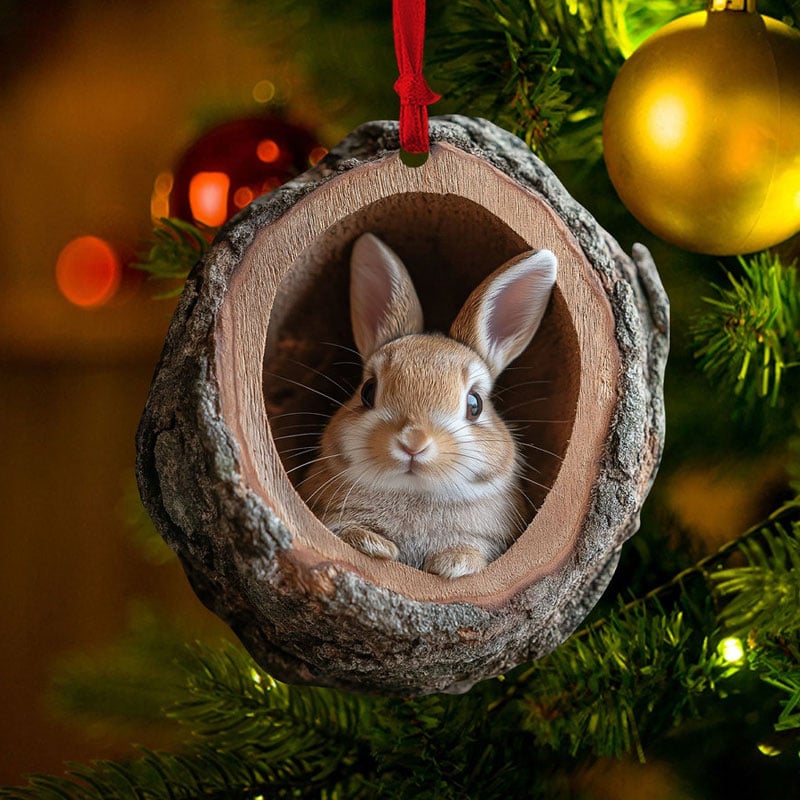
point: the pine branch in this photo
(250, 736)
(625, 635)
(765, 594)
(778, 665)
(604, 692)
(232, 701)
(176, 247)
(507, 60)
(142, 531)
(498, 61)
(199, 772)
(750, 336)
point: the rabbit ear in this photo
(501, 316)
(383, 302)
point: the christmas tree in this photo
(692, 658)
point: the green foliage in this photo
(199, 772)
(343, 50)
(130, 683)
(765, 593)
(176, 247)
(501, 65)
(778, 664)
(233, 702)
(750, 335)
(542, 68)
(614, 688)
(598, 694)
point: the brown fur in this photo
(414, 478)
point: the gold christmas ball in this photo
(702, 132)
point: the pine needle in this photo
(750, 335)
(175, 248)
(763, 596)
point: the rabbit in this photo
(417, 466)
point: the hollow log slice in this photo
(257, 343)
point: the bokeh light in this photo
(243, 196)
(159, 200)
(264, 91)
(208, 197)
(268, 151)
(212, 178)
(88, 271)
(732, 650)
(316, 155)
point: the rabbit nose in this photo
(414, 441)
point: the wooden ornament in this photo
(257, 340)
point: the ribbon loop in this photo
(408, 17)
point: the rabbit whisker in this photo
(540, 450)
(299, 414)
(349, 492)
(501, 392)
(295, 436)
(309, 463)
(347, 390)
(310, 498)
(525, 403)
(546, 421)
(343, 347)
(296, 450)
(306, 386)
(539, 485)
(314, 429)
(531, 504)
(520, 367)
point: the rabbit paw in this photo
(369, 542)
(455, 562)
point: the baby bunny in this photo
(417, 466)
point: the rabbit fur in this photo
(418, 466)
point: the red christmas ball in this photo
(233, 163)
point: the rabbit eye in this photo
(474, 405)
(368, 393)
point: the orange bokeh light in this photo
(242, 196)
(88, 271)
(268, 151)
(316, 155)
(208, 197)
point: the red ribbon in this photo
(408, 18)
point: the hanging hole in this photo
(413, 159)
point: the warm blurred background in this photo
(99, 103)
(106, 111)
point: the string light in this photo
(731, 650)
